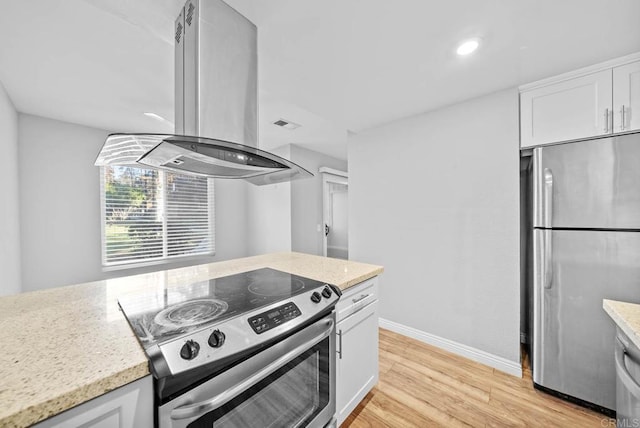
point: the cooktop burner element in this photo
(272, 287)
(191, 313)
(214, 321)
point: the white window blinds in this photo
(150, 215)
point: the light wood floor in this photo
(424, 386)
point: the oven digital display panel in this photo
(271, 319)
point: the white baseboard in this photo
(502, 364)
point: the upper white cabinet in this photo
(598, 100)
(626, 97)
(567, 110)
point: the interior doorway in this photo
(335, 210)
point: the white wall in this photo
(59, 202)
(10, 282)
(284, 216)
(434, 198)
(269, 214)
(60, 207)
(306, 200)
(231, 220)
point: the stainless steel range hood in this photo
(216, 112)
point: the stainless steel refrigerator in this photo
(586, 247)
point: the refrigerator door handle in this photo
(548, 259)
(548, 197)
(548, 215)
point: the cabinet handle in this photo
(362, 297)
(622, 117)
(340, 344)
(608, 121)
(611, 121)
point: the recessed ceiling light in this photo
(467, 47)
(286, 124)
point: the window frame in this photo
(165, 258)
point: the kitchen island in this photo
(626, 344)
(65, 346)
(626, 316)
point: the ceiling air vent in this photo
(286, 124)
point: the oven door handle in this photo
(193, 410)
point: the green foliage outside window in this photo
(153, 215)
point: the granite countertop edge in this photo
(626, 316)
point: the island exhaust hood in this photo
(216, 96)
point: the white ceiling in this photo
(332, 66)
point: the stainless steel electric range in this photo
(247, 350)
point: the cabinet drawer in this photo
(356, 298)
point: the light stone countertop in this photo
(64, 346)
(626, 316)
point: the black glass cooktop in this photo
(172, 312)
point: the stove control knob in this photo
(216, 339)
(189, 350)
(326, 292)
(316, 297)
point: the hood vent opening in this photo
(179, 29)
(216, 102)
(190, 10)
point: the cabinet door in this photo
(626, 97)
(568, 110)
(357, 359)
(130, 406)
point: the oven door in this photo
(290, 384)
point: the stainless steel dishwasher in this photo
(627, 357)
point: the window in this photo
(150, 215)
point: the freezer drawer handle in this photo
(623, 373)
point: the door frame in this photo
(329, 175)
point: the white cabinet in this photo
(130, 406)
(626, 97)
(587, 103)
(357, 346)
(567, 110)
